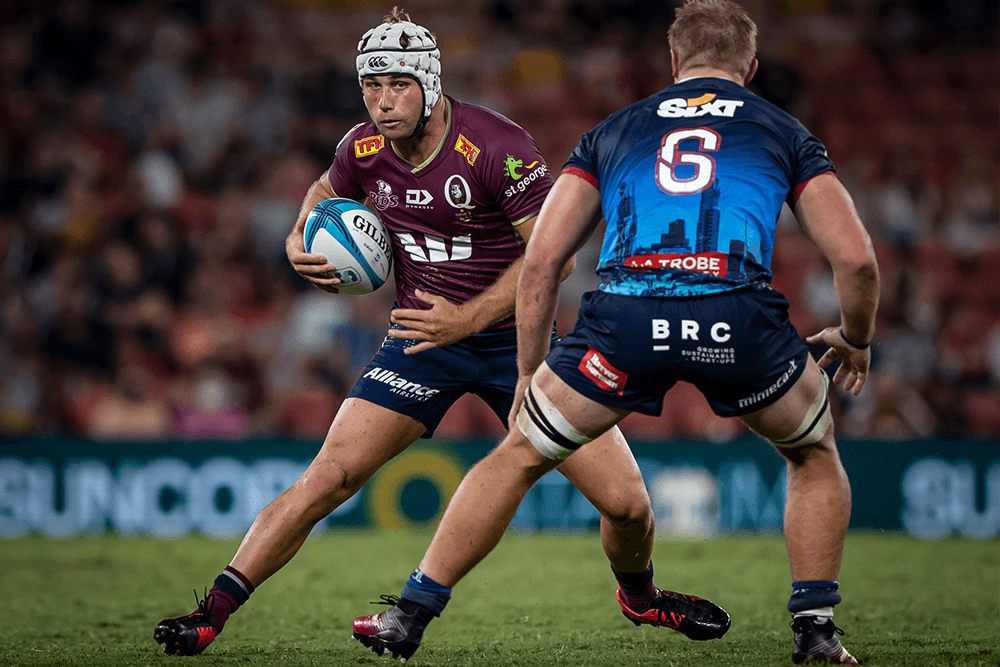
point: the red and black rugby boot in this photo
(187, 635)
(694, 617)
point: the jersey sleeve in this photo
(341, 174)
(811, 160)
(517, 174)
(582, 161)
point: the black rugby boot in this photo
(396, 630)
(818, 642)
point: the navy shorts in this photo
(739, 348)
(426, 384)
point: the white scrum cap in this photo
(382, 52)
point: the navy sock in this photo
(813, 595)
(424, 590)
(637, 588)
(229, 591)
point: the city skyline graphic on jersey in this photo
(636, 260)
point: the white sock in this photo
(821, 613)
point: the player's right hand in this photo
(315, 269)
(522, 386)
(853, 371)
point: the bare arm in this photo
(312, 267)
(826, 213)
(569, 216)
(446, 323)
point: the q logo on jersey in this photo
(693, 107)
(458, 193)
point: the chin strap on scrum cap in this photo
(382, 51)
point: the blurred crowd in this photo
(154, 155)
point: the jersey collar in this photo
(444, 139)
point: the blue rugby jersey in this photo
(692, 180)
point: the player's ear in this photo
(753, 70)
(675, 64)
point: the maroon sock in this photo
(230, 591)
(637, 590)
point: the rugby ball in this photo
(354, 240)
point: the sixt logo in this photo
(401, 385)
(378, 62)
(693, 107)
(368, 145)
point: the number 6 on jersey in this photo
(671, 157)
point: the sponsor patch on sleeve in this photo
(467, 148)
(368, 145)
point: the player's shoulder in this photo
(362, 140)
(485, 124)
(730, 98)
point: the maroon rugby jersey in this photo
(452, 218)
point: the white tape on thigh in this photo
(818, 418)
(546, 428)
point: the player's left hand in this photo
(853, 371)
(443, 324)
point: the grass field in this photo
(542, 600)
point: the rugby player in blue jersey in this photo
(459, 188)
(691, 182)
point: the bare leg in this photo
(360, 441)
(479, 512)
(606, 473)
(482, 508)
(817, 510)
(818, 503)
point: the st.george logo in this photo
(512, 164)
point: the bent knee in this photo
(328, 485)
(629, 508)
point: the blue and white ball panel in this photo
(353, 239)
